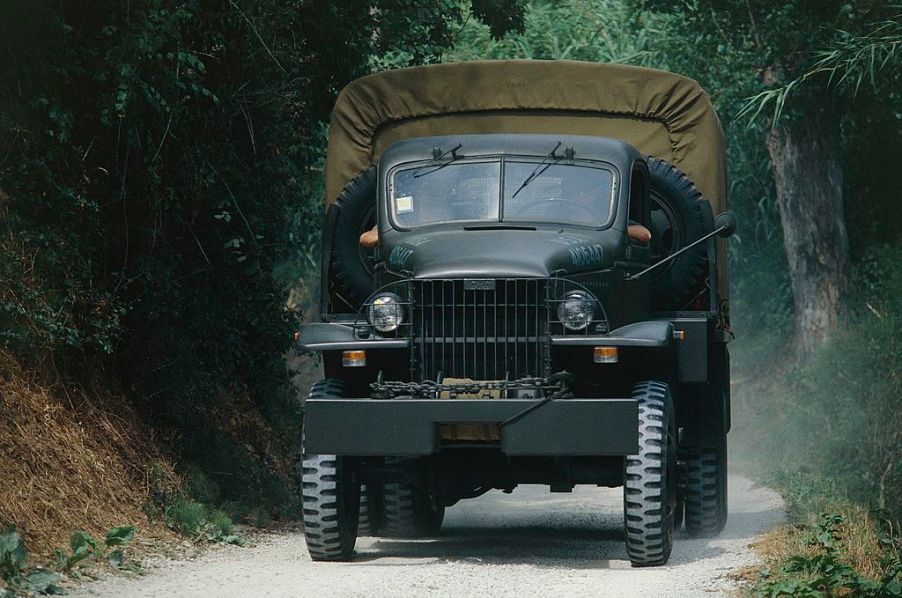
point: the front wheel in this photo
(330, 490)
(649, 489)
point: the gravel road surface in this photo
(529, 543)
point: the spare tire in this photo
(352, 265)
(677, 219)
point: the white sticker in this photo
(404, 204)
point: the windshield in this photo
(558, 192)
(549, 192)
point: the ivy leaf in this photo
(43, 581)
(83, 546)
(116, 558)
(12, 553)
(120, 536)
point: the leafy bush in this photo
(83, 547)
(834, 422)
(826, 573)
(201, 522)
(14, 564)
(160, 188)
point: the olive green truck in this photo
(547, 302)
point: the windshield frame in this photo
(501, 221)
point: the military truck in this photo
(510, 327)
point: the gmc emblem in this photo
(479, 284)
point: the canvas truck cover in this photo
(662, 114)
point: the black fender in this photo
(333, 336)
(652, 333)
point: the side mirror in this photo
(725, 224)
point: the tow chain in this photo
(554, 386)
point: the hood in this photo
(481, 253)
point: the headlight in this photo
(386, 312)
(576, 310)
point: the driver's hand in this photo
(639, 233)
(370, 238)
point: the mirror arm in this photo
(676, 253)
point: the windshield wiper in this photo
(536, 171)
(437, 157)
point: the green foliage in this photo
(606, 31)
(826, 430)
(199, 511)
(830, 428)
(840, 412)
(14, 565)
(224, 471)
(201, 522)
(83, 547)
(13, 555)
(851, 62)
(501, 16)
(160, 185)
(825, 573)
(120, 536)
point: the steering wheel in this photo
(547, 202)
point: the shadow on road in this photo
(532, 527)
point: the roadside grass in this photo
(827, 434)
(842, 553)
(202, 522)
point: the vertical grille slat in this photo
(482, 334)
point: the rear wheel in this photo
(370, 510)
(331, 495)
(409, 513)
(706, 490)
(649, 490)
(678, 514)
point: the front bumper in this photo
(409, 427)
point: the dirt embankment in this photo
(70, 461)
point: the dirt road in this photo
(528, 543)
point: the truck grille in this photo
(491, 329)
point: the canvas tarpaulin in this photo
(662, 114)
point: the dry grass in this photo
(858, 545)
(859, 540)
(70, 462)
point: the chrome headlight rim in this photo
(587, 304)
(385, 312)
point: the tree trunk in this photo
(805, 154)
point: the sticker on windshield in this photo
(404, 204)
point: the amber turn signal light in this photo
(605, 355)
(353, 359)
